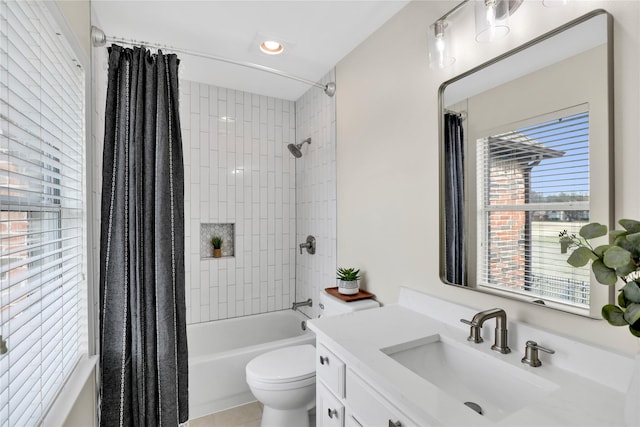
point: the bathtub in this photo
(220, 350)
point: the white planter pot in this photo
(348, 287)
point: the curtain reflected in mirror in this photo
(454, 199)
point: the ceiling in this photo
(316, 36)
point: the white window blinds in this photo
(533, 184)
(41, 211)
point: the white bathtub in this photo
(220, 350)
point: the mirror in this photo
(525, 152)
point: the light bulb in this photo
(271, 47)
(491, 14)
(439, 57)
(491, 19)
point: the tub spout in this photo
(300, 304)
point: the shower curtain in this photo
(455, 267)
(143, 343)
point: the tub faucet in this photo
(300, 304)
(501, 328)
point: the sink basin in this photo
(469, 375)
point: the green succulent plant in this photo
(617, 260)
(216, 241)
(348, 274)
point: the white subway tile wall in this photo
(316, 209)
(238, 170)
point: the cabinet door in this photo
(370, 408)
(330, 369)
(350, 420)
(329, 410)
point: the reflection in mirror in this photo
(525, 153)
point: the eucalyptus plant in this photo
(348, 274)
(617, 260)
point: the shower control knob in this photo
(309, 245)
(324, 360)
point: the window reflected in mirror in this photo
(533, 184)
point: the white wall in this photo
(77, 14)
(238, 171)
(316, 194)
(387, 150)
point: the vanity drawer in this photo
(329, 410)
(330, 370)
(368, 408)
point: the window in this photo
(41, 211)
(533, 184)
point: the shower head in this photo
(295, 148)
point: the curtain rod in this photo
(462, 114)
(98, 38)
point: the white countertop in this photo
(358, 337)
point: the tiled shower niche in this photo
(226, 231)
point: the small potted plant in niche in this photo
(216, 242)
(348, 281)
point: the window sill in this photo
(68, 396)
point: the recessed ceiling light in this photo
(271, 47)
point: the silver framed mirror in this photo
(526, 152)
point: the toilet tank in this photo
(331, 306)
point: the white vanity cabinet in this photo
(329, 409)
(330, 388)
(344, 399)
(367, 407)
(362, 381)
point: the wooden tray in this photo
(348, 298)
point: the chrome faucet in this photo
(300, 304)
(501, 328)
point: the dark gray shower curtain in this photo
(143, 343)
(455, 263)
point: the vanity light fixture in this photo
(271, 47)
(492, 22)
(440, 54)
(492, 19)
(439, 46)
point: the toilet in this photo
(284, 380)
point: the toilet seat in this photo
(286, 365)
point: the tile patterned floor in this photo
(248, 415)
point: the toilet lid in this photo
(286, 364)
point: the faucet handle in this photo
(531, 353)
(474, 331)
